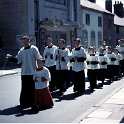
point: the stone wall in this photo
(13, 16)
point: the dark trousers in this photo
(110, 72)
(92, 77)
(61, 80)
(101, 74)
(53, 80)
(26, 96)
(116, 70)
(122, 66)
(79, 81)
(69, 78)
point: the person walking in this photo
(26, 58)
(78, 66)
(101, 75)
(50, 63)
(92, 68)
(62, 67)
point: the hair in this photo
(25, 37)
(78, 39)
(62, 40)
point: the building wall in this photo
(120, 34)
(92, 27)
(53, 10)
(68, 14)
(13, 21)
(108, 29)
(17, 17)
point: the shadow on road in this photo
(10, 111)
(16, 111)
(122, 120)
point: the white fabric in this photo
(47, 52)
(102, 59)
(90, 59)
(109, 56)
(27, 58)
(39, 74)
(78, 66)
(70, 56)
(62, 65)
(118, 58)
(121, 50)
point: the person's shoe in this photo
(35, 109)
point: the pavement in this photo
(9, 72)
(109, 111)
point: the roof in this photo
(93, 6)
(118, 21)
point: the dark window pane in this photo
(87, 19)
(99, 21)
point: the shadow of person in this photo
(30, 111)
(10, 111)
(71, 96)
(26, 112)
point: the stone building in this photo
(59, 19)
(116, 31)
(38, 18)
(94, 22)
(16, 18)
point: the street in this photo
(68, 110)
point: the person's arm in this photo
(37, 54)
(11, 58)
(47, 76)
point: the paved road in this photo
(68, 110)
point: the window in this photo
(75, 10)
(87, 19)
(92, 43)
(63, 2)
(84, 35)
(117, 29)
(99, 21)
(99, 38)
(36, 14)
(85, 38)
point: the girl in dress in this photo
(42, 95)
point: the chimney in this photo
(118, 9)
(93, 1)
(108, 5)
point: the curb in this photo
(95, 107)
(8, 74)
(14, 71)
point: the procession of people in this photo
(62, 66)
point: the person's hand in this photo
(43, 79)
(37, 79)
(8, 56)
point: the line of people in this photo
(67, 65)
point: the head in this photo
(91, 50)
(116, 51)
(25, 40)
(77, 42)
(121, 42)
(61, 43)
(101, 50)
(69, 47)
(108, 49)
(49, 41)
(40, 63)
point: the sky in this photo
(102, 2)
